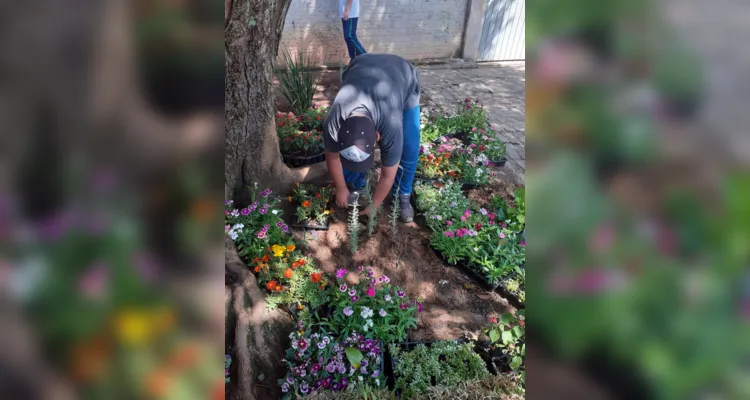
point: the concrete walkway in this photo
(501, 89)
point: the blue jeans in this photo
(409, 157)
(350, 36)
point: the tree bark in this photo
(252, 35)
(260, 336)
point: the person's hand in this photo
(364, 212)
(346, 14)
(342, 197)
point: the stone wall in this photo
(413, 29)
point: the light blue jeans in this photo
(409, 157)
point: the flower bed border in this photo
(301, 161)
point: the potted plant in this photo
(298, 147)
(474, 167)
(314, 118)
(318, 361)
(434, 162)
(489, 144)
(373, 307)
(506, 350)
(313, 205)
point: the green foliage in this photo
(315, 118)
(509, 333)
(444, 363)
(296, 81)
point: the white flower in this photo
(382, 313)
(274, 212)
(366, 312)
(233, 235)
(476, 249)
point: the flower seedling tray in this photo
(481, 280)
(497, 361)
(295, 161)
(311, 226)
(510, 296)
(499, 163)
(407, 347)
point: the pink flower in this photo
(502, 235)
(93, 283)
(340, 273)
(467, 213)
(492, 216)
(448, 234)
(371, 292)
(449, 223)
(473, 129)
(523, 243)
(463, 218)
(460, 233)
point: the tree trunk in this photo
(260, 336)
(252, 35)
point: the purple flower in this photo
(321, 345)
(336, 387)
(363, 370)
(364, 363)
(304, 387)
(404, 306)
(483, 211)
(265, 227)
(372, 281)
(369, 272)
(386, 279)
(400, 293)
(279, 224)
(348, 311)
(263, 210)
(261, 234)
(290, 380)
(361, 267)
(265, 192)
(354, 299)
(245, 211)
(383, 313)
(315, 368)
(376, 373)
(352, 292)
(343, 287)
(285, 388)
(344, 383)
(419, 307)
(341, 273)
(388, 297)
(285, 228)
(330, 368)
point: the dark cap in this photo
(357, 137)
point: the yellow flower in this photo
(278, 251)
(326, 212)
(290, 248)
(133, 326)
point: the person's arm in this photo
(333, 162)
(346, 9)
(384, 185)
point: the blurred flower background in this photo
(110, 202)
(639, 199)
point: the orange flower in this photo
(266, 258)
(278, 289)
(158, 383)
(256, 259)
(316, 277)
(257, 269)
(301, 262)
(288, 273)
(291, 247)
(271, 285)
(295, 264)
(306, 203)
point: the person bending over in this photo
(378, 103)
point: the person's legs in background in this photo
(353, 46)
(408, 166)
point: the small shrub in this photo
(296, 81)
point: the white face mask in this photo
(354, 154)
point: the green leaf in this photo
(507, 337)
(354, 356)
(517, 331)
(494, 335)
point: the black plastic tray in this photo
(311, 227)
(499, 163)
(497, 361)
(301, 161)
(469, 271)
(510, 296)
